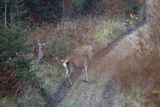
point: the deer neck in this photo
(90, 56)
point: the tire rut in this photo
(108, 95)
(63, 89)
(108, 92)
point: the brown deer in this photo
(80, 61)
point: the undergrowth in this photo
(138, 77)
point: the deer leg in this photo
(69, 74)
(70, 81)
(86, 73)
(67, 82)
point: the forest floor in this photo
(98, 92)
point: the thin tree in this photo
(5, 12)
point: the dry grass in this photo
(69, 34)
(139, 83)
(49, 79)
(139, 76)
(79, 33)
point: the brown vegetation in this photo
(9, 84)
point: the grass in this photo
(50, 76)
(75, 35)
(138, 77)
(30, 99)
(82, 31)
(70, 35)
(107, 30)
(5, 102)
(137, 83)
(81, 92)
(49, 79)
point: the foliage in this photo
(12, 43)
(41, 10)
(53, 11)
(107, 31)
(50, 77)
(66, 35)
(13, 11)
(12, 56)
(9, 84)
(87, 29)
(58, 47)
(83, 6)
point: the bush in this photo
(12, 41)
(85, 29)
(107, 31)
(58, 47)
(50, 77)
(13, 48)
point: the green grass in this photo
(30, 99)
(50, 76)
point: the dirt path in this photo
(103, 68)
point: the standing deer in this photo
(80, 61)
(39, 50)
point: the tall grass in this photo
(98, 29)
(77, 33)
(138, 77)
(50, 76)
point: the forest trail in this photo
(102, 69)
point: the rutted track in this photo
(63, 89)
(101, 72)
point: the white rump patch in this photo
(65, 63)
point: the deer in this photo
(39, 50)
(79, 61)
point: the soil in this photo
(101, 88)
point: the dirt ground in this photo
(98, 92)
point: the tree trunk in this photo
(5, 14)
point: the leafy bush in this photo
(58, 47)
(50, 77)
(12, 49)
(107, 31)
(12, 55)
(12, 41)
(85, 29)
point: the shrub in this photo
(58, 47)
(12, 41)
(81, 31)
(107, 31)
(50, 77)
(13, 48)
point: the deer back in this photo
(79, 60)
